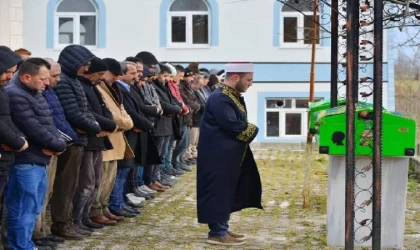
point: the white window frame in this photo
(282, 118)
(300, 29)
(189, 29)
(76, 28)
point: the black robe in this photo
(227, 176)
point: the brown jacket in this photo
(121, 148)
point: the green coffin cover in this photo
(398, 132)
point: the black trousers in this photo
(89, 181)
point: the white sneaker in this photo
(134, 199)
(147, 190)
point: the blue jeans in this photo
(140, 176)
(218, 229)
(116, 199)
(181, 147)
(25, 196)
(167, 163)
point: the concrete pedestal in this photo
(394, 191)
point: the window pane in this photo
(66, 31)
(302, 103)
(76, 6)
(272, 103)
(188, 5)
(293, 124)
(290, 31)
(88, 30)
(308, 27)
(179, 29)
(273, 124)
(200, 29)
(295, 6)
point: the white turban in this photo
(239, 68)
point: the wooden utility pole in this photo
(307, 179)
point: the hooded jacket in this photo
(9, 133)
(71, 94)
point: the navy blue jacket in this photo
(71, 94)
(32, 115)
(58, 116)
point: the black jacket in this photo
(190, 100)
(130, 101)
(149, 111)
(101, 113)
(32, 115)
(171, 108)
(9, 133)
(71, 94)
(149, 154)
(202, 101)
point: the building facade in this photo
(212, 32)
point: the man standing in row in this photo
(91, 167)
(74, 60)
(42, 234)
(114, 101)
(227, 174)
(11, 139)
(28, 177)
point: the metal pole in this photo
(306, 183)
(377, 125)
(334, 53)
(352, 79)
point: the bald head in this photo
(55, 72)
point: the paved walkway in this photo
(169, 221)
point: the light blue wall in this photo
(261, 113)
(214, 21)
(290, 72)
(101, 17)
(391, 73)
(276, 24)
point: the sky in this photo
(401, 37)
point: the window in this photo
(297, 27)
(76, 23)
(288, 120)
(188, 23)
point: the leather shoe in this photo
(122, 212)
(131, 210)
(55, 238)
(81, 231)
(90, 224)
(161, 186)
(153, 186)
(111, 216)
(67, 233)
(44, 242)
(102, 220)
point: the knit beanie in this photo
(172, 68)
(113, 66)
(97, 65)
(147, 58)
(6, 61)
(146, 72)
(164, 68)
